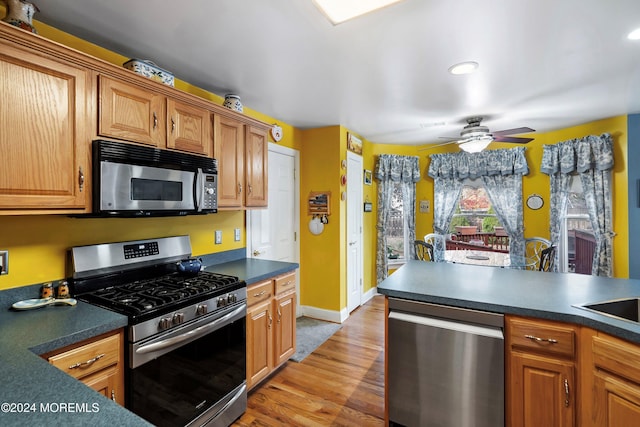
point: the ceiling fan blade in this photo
(512, 139)
(438, 145)
(513, 131)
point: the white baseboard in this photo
(332, 315)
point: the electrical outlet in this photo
(424, 206)
(236, 234)
(218, 237)
(4, 262)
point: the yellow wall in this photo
(321, 256)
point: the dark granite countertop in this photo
(35, 393)
(525, 293)
(38, 390)
(252, 270)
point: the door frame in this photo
(296, 215)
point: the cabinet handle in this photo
(248, 188)
(80, 179)
(155, 120)
(113, 395)
(239, 188)
(279, 315)
(259, 294)
(87, 363)
(566, 393)
(540, 340)
(270, 319)
(173, 125)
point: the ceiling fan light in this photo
(467, 67)
(634, 35)
(475, 145)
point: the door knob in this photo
(352, 243)
(256, 253)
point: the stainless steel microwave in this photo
(133, 180)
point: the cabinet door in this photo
(107, 382)
(616, 402)
(256, 152)
(188, 128)
(541, 391)
(43, 135)
(131, 113)
(229, 151)
(285, 327)
(259, 343)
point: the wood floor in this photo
(340, 384)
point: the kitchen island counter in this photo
(524, 293)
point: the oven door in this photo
(194, 375)
(127, 187)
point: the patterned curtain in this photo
(592, 158)
(392, 169)
(501, 171)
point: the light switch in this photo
(4, 262)
(236, 235)
(425, 206)
(218, 237)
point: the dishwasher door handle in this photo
(490, 332)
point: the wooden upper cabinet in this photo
(131, 113)
(43, 133)
(229, 151)
(256, 158)
(139, 115)
(188, 128)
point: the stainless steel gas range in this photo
(186, 358)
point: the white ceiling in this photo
(545, 64)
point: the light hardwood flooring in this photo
(340, 384)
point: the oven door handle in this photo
(193, 334)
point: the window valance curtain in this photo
(501, 173)
(591, 158)
(461, 165)
(392, 169)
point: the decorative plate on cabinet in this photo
(276, 133)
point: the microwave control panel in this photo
(209, 196)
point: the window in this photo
(474, 210)
(577, 242)
(397, 248)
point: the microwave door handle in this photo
(199, 190)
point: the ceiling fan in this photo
(475, 137)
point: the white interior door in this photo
(272, 232)
(354, 230)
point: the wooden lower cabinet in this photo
(611, 389)
(541, 373)
(271, 326)
(98, 362)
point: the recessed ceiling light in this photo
(634, 35)
(339, 11)
(464, 68)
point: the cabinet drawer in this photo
(89, 358)
(540, 336)
(285, 283)
(258, 292)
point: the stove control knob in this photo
(232, 298)
(165, 323)
(178, 318)
(222, 302)
(201, 309)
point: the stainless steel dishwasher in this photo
(445, 366)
